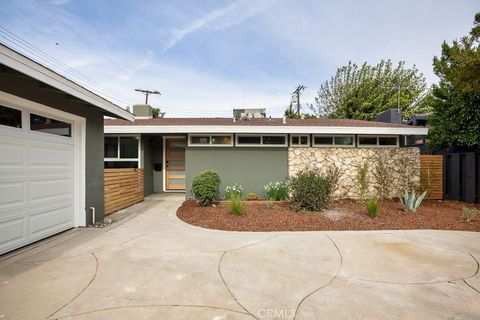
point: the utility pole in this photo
(147, 93)
(297, 92)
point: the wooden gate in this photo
(431, 175)
(123, 188)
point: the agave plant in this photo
(410, 202)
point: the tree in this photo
(157, 113)
(289, 113)
(362, 92)
(456, 98)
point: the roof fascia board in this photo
(266, 129)
(35, 70)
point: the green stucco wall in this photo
(147, 164)
(30, 89)
(250, 167)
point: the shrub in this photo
(363, 179)
(373, 207)
(276, 190)
(252, 196)
(205, 187)
(410, 202)
(382, 177)
(333, 174)
(470, 213)
(236, 205)
(310, 191)
(234, 191)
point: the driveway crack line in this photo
(228, 288)
(223, 279)
(328, 283)
(81, 291)
(152, 306)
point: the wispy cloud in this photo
(233, 14)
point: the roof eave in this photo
(33, 69)
(267, 129)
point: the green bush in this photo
(236, 205)
(205, 187)
(252, 196)
(373, 207)
(276, 190)
(470, 213)
(310, 191)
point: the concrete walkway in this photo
(150, 265)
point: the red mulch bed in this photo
(342, 215)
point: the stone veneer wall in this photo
(404, 163)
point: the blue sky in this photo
(208, 57)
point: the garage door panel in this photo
(12, 155)
(44, 190)
(12, 193)
(45, 222)
(40, 157)
(12, 232)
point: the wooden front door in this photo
(175, 163)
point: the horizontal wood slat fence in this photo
(431, 176)
(123, 188)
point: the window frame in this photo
(378, 140)
(333, 145)
(261, 144)
(210, 144)
(22, 122)
(118, 159)
(299, 135)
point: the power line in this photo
(147, 93)
(25, 46)
(298, 90)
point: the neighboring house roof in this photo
(35, 70)
(418, 121)
(267, 125)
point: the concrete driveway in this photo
(150, 265)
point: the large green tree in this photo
(456, 99)
(361, 92)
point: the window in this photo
(337, 141)
(300, 140)
(195, 140)
(344, 141)
(122, 152)
(323, 140)
(367, 141)
(50, 126)
(276, 140)
(375, 141)
(227, 140)
(10, 117)
(111, 147)
(273, 140)
(128, 147)
(387, 141)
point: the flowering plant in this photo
(235, 191)
(276, 190)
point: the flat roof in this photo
(35, 70)
(265, 125)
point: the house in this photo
(51, 151)
(251, 151)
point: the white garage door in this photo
(37, 153)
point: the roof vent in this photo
(284, 120)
